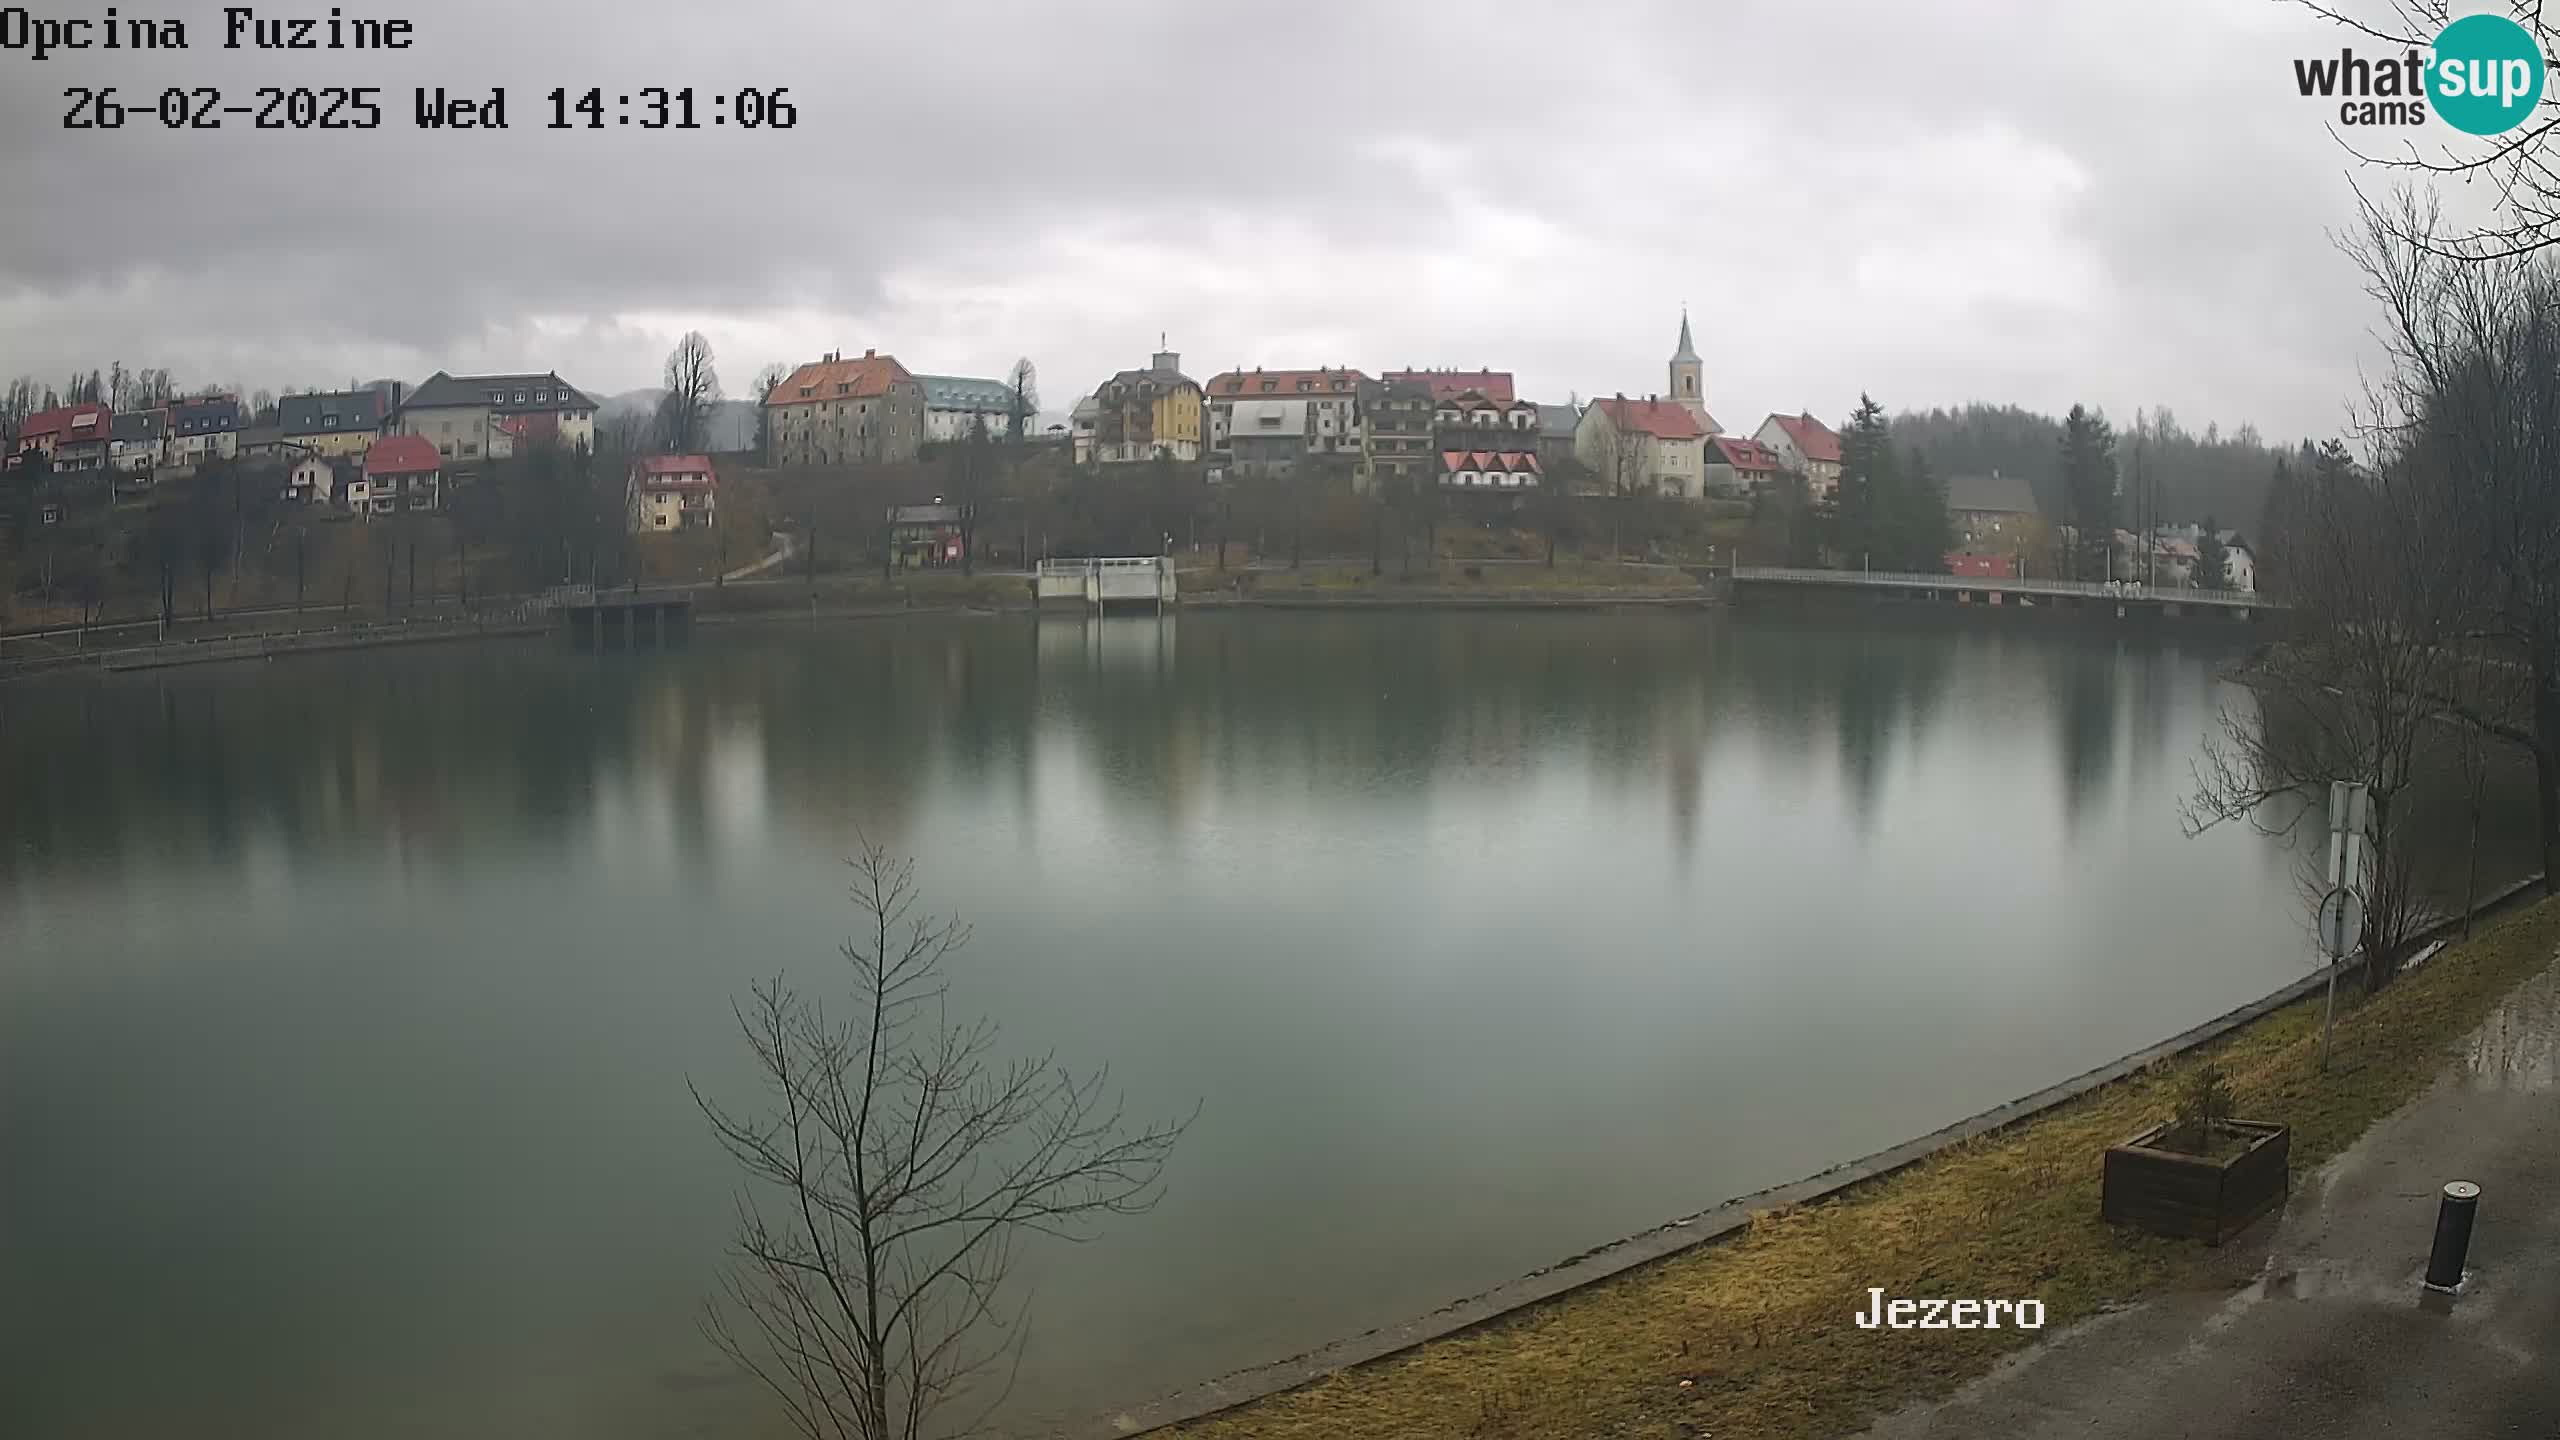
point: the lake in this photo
(347, 1004)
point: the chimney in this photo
(870, 354)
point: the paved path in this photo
(2333, 1337)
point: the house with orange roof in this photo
(1649, 446)
(1806, 446)
(835, 411)
(1332, 407)
(1738, 465)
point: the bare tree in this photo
(893, 1173)
(2357, 686)
(1023, 406)
(693, 388)
(2418, 580)
(2475, 346)
(2516, 166)
(767, 378)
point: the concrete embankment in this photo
(2006, 1198)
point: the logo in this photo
(2483, 76)
(2487, 75)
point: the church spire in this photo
(1689, 377)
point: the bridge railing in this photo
(1071, 568)
(1913, 580)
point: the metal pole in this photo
(2454, 1214)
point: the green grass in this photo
(1760, 1325)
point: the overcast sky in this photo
(2034, 201)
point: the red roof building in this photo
(1489, 469)
(1283, 384)
(1987, 567)
(837, 411)
(1496, 384)
(1636, 446)
(1814, 440)
(401, 472)
(1332, 399)
(401, 455)
(72, 437)
(1661, 419)
(672, 492)
(1739, 465)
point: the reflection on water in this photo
(347, 1005)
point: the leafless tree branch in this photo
(906, 1164)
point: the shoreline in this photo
(1723, 1222)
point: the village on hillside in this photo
(105, 481)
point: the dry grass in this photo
(1761, 1325)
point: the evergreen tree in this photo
(1866, 483)
(2089, 489)
(1923, 531)
(2276, 522)
(2213, 561)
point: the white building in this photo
(470, 418)
(954, 405)
(1088, 413)
(1652, 445)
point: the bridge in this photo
(2126, 598)
(1143, 579)
(602, 620)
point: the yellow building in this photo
(672, 492)
(1140, 414)
(334, 426)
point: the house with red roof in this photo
(1332, 407)
(1738, 465)
(70, 437)
(835, 411)
(1495, 384)
(1649, 446)
(1512, 471)
(672, 492)
(401, 472)
(1806, 446)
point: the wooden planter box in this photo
(2168, 1192)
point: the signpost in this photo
(2341, 922)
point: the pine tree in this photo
(2213, 562)
(2089, 489)
(1866, 462)
(1924, 532)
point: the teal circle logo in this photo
(2486, 76)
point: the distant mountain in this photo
(733, 422)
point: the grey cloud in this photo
(1510, 184)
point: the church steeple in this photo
(1689, 373)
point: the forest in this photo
(2184, 477)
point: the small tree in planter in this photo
(2201, 1174)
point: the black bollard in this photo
(2454, 1214)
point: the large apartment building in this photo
(472, 418)
(835, 411)
(1332, 407)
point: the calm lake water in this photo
(347, 1004)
